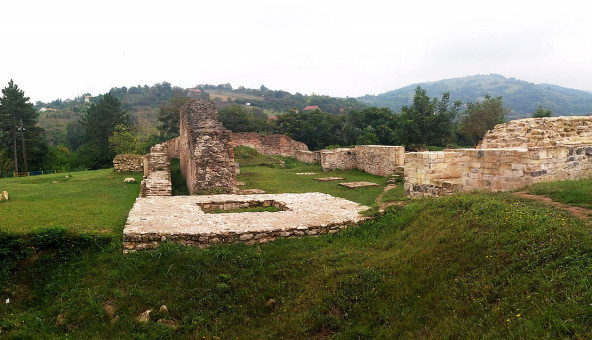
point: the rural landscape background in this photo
(83, 82)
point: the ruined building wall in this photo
(568, 155)
(307, 156)
(128, 163)
(541, 132)
(269, 145)
(172, 147)
(207, 158)
(157, 173)
(380, 160)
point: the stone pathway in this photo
(579, 212)
(353, 185)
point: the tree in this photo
(98, 123)
(427, 122)
(19, 130)
(168, 115)
(481, 117)
(541, 113)
(126, 141)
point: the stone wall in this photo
(128, 163)
(307, 156)
(380, 160)
(207, 158)
(281, 145)
(541, 132)
(172, 147)
(551, 149)
(157, 173)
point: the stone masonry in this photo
(281, 145)
(380, 160)
(157, 173)
(205, 147)
(185, 219)
(511, 156)
(128, 163)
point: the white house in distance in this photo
(87, 99)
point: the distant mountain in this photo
(520, 96)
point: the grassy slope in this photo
(89, 201)
(575, 192)
(467, 266)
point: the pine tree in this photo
(98, 123)
(18, 129)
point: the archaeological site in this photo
(511, 156)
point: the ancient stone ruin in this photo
(511, 156)
(380, 160)
(205, 147)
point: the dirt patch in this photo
(579, 212)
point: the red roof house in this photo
(311, 107)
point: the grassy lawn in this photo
(574, 192)
(466, 266)
(264, 172)
(88, 201)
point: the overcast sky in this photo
(61, 49)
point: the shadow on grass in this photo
(177, 179)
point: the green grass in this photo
(395, 194)
(263, 172)
(466, 266)
(574, 192)
(88, 201)
(179, 185)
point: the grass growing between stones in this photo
(465, 266)
(87, 201)
(574, 192)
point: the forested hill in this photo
(520, 96)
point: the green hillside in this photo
(520, 96)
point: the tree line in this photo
(106, 128)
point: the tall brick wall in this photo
(207, 158)
(269, 145)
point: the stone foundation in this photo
(380, 160)
(128, 163)
(182, 219)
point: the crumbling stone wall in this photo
(281, 145)
(172, 147)
(128, 163)
(380, 160)
(207, 158)
(539, 159)
(541, 132)
(157, 173)
(307, 156)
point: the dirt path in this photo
(579, 212)
(383, 206)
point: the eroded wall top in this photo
(539, 132)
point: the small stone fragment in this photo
(163, 309)
(145, 316)
(129, 180)
(270, 303)
(4, 196)
(60, 320)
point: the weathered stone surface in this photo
(329, 179)
(269, 145)
(145, 316)
(4, 196)
(182, 219)
(353, 185)
(128, 163)
(380, 160)
(207, 158)
(306, 173)
(129, 180)
(511, 156)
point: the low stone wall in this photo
(307, 156)
(281, 145)
(128, 163)
(380, 160)
(157, 173)
(440, 173)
